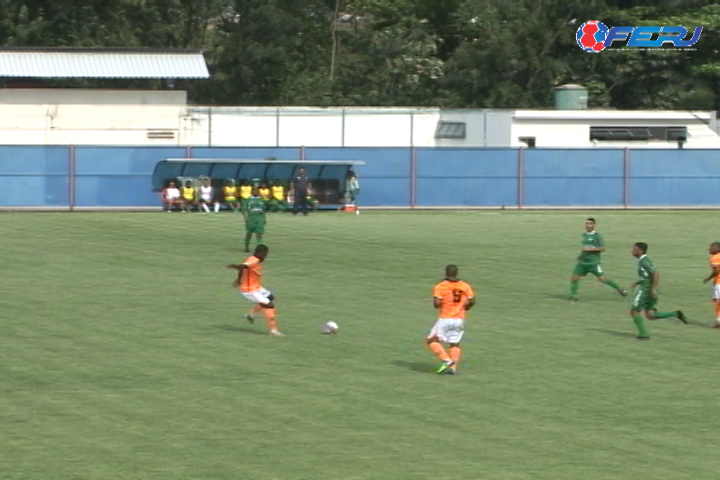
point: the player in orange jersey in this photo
(452, 297)
(249, 282)
(714, 251)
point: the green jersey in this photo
(592, 240)
(254, 207)
(645, 272)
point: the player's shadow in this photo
(566, 298)
(614, 333)
(695, 323)
(240, 328)
(420, 367)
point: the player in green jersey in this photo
(253, 210)
(589, 261)
(645, 295)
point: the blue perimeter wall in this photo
(90, 176)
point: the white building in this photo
(94, 117)
(127, 117)
(42, 116)
(615, 128)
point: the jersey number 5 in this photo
(457, 296)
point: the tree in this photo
(98, 23)
(266, 44)
(387, 57)
(455, 53)
(511, 53)
(665, 78)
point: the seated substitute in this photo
(312, 201)
(230, 195)
(188, 195)
(277, 199)
(265, 192)
(245, 191)
(171, 197)
(207, 196)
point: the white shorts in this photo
(716, 292)
(259, 296)
(206, 198)
(448, 330)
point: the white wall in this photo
(91, 117)
(337, 127)
(377, 129)
(572, 128)
(120, 117)
(312, 129)
(231, 127)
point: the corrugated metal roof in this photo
(102, 63)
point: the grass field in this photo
(124, 354)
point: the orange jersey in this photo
(453, 296)
(251, 278)
(715, 262)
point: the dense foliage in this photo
(451, 53)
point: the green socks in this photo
(664, 314)
(640, 324)
(574, 285)
(248, 237)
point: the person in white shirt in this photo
(207, 194)
(352, 188)
(171, 197)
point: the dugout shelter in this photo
(328, 177)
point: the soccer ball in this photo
(329, 327)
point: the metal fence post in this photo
(71, 180)
(626, 178)
(521, 177)
(413, 177)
